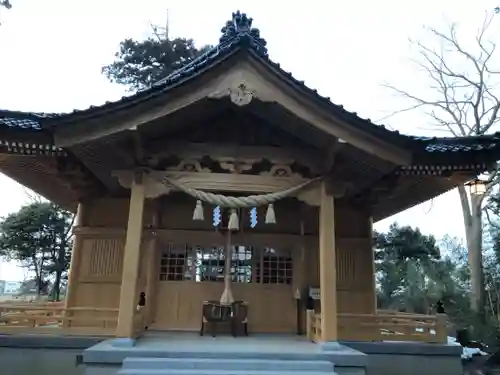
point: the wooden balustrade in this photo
(53, 318)
(313, 326)
(383, 327)
(392, 327)
(36, 318)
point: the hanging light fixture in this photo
(476, 186)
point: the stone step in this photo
(214, 372)
(228, 364)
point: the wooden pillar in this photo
(128, 292)
(374, 267)
(151, 280)
(76, 256)
(300, 278)
(327, 266)
(152, 269)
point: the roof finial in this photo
(240, 26)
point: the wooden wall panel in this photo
(101, 295)
(354, 262)
(102, 259)
(177, 213)
(106, 258)
(101, 272)
(271, 307)
(113, 212)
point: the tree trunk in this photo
(472, 215)
(38, 278)
(57, 285)
(60, 265)
(39, 287)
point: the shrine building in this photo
(230, 180)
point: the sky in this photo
(52, 52)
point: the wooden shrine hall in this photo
(231, 183)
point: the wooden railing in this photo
(383, 327)
(392, 327)
(43, 318)
(313, 323)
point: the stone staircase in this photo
(223, 366)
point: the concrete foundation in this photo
(270, 350)
(48, 355)
(412, 358)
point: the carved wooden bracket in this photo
(227, 153)
(153, 188)
(311, 196)
(189, 165)
(281, 171)
(237, 165)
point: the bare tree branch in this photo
(491, 223)
(462, 83)
(463, 99)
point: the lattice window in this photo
(206, 263)
(241, 264)
(176, 264)
(276, 267)
(210, 263)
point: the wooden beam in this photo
(24, 135)
(139, 152)
(270, 87)
(180, 235)
(209, 182)
(330, 155)
(264, 84)
(277, 155)
(89, 129)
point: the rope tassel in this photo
(233, 220)
(198, 213)
(270, 215)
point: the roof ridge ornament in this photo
(240, 26)
(239, 92)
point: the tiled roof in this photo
(20, 123)
(239, 35)
(23, 120)
(33, 120)
(459, 144)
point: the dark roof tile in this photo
(23, 120)
(459, 144)
(20, 123)
(238, 34)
